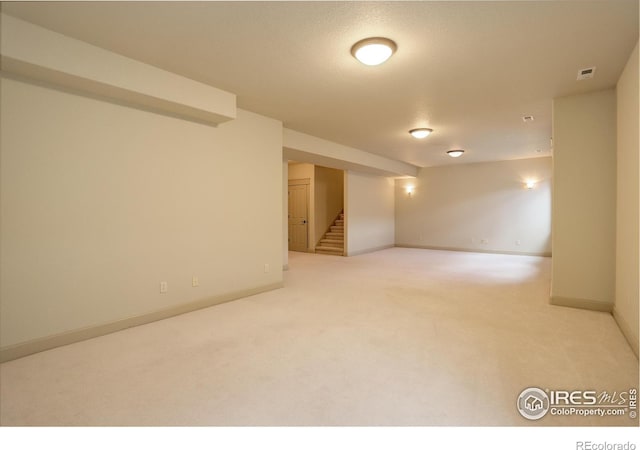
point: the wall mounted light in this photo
(373, 51)
(455, 153)
(409, 190)
(530, 184)
(420, 133)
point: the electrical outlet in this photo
(484, 241)
(266, 268)
(518, 242)
(164, 287)
(195, 282)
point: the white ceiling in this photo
(469, 70)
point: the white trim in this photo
(15, 351)
(581, 303)
(369, 250)
(626, 330)
(469, 250)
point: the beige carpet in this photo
(397, 337)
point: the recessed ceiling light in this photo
(527, 119)
(455, 153)
(373, 51)
(420, 133)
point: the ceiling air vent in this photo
(585, 74)
(527, 119)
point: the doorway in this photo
(298, 215)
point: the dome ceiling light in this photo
(373, 51)
(455, 153)
(420, 133)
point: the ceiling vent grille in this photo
(585, 74)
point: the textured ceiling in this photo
(469, 70)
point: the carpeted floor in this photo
(396, 337)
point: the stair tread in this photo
(332, 242)
(329, 249)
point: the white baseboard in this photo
(368, 250)
(626, 331)
(474, 250)
(15, 351)
(581, 303)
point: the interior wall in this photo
(369, 213)
(477, 207)
(628, 199)
(300, 171)
(285, 215)
(584, 200)
(100, 203)
(329, 198)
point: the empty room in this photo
(319, 214)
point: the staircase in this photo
(332, 243)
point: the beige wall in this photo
(100, 203)
(299, 171)
(285, 215)
(477, 207)
(584, 200)
(628, 198)
(369, 213)
(329, 198)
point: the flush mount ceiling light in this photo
(420, 133)
(455, 153)
(373, 51)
